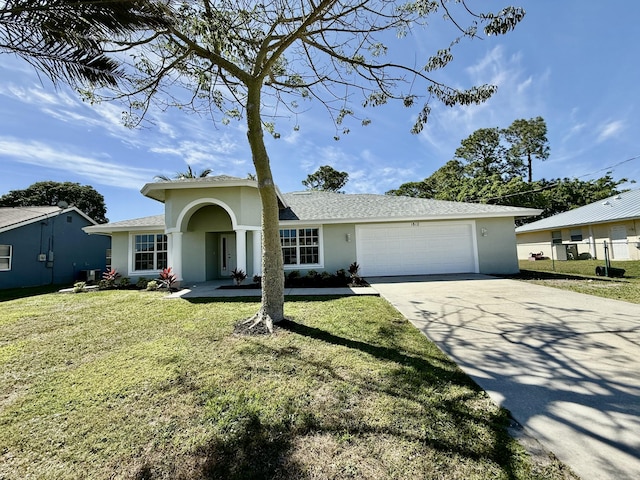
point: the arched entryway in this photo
(207, 243)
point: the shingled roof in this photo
(623, 206)
(330, 207)
(14, 217)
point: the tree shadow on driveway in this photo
(566, 365)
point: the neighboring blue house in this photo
(46, 245)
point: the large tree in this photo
(84, 197)
(527, 140)
(327, 179)
(250, 60)
(64, 38)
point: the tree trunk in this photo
(272, 308)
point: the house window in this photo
(5, 257)
(556, 236)
(576, 235)
(300, 246)
(150, 252)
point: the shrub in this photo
(152, 285)
(109, 279)
(238, 276)
(124, 282)
(167, 279)
(142, 283)
(79, 287)
(257, 279)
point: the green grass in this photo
(125, 384)
(567, 275)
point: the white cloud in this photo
(610, 129)
(95, 170)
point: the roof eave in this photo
(579, 224)
(156, 190)
(414, 218)
(104, 230)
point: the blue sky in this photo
(573, 62)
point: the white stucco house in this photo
(212, 225)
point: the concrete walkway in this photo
(566, 365)
(212, 290)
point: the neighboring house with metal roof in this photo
(46, 245)
(584, 230)
(211, 225)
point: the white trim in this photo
(306, 266)
(423, 218)
(132, 253)
(203, 202)
(10, 257)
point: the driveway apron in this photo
(566, 365)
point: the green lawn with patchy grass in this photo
(579, 276)
(126, 384)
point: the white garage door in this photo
(416, 249)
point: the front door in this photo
(227, 254)
(619, 244)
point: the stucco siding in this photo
(243, 202)
(338, 252)
(194, 266)
(496, 246)
(120, 253)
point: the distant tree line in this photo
(491, 165)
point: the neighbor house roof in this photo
(623, 206)
(330, 207)
(15, 217)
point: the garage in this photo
(416, 248)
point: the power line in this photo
(553, 185)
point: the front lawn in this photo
(125, 384)
(579, 276)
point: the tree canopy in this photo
(49, 193)
(65, 38)
(327, 179)
(256, 61)
(489, 167)
(189, 173)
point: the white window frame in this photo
(9, 257)
(557, 240)
(298, 266)
(132, 252)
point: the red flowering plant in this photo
(109, 278)
(167, 279)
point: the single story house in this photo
(46, 245)
(212, 225)
(584, 231)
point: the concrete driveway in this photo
(566, 365)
